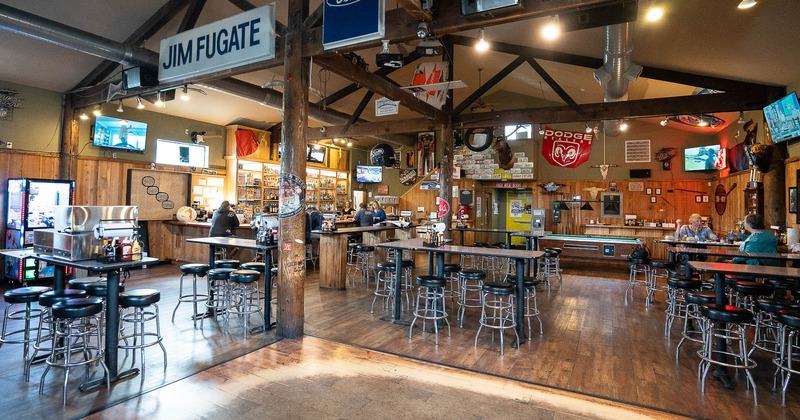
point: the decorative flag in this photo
(246, 142)
(567, 149)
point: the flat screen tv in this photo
(120, 134)
(369, 173)
(316, 155)
(783, 118)
(704, 158)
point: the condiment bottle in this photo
(136, 249)
(125, 249)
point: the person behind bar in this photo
(378, 215)
(760, 240)
(223, 221)
(695, 229)
(363, 215)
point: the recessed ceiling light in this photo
(664, 122)
(746, 4)
(654, 14)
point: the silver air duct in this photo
(617, 70)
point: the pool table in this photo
(596, 247)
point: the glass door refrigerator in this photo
(30, 206)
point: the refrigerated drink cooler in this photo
(30, 207)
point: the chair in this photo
(144, 305)
(430, 292)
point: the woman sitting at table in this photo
(695, 229)
(760, 240)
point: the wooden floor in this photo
(594, 343)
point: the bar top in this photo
(696, 244)
(415, 244)
(744, 269)
(733, 253)
(358, 229)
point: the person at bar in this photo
(760, 240)
(363, 216)
(695, 229)
(348, 209)
(378, 215)
(223, 221)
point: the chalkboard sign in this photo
(157, 193)
(465, 197)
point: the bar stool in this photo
(638, 266)
(81, 282)
(76, 325)
(19, 308)
(260, 267)
(431, 292)
(384, 284)
(226, 263)
(352, 267)
(44, 333)
(767, 332)
(550, 267)
(218, 291)
(747, 292)
(529, 284)
(244, 299)
(734, 321)
(676, 302)
(452, 289)
(789, 355)
(365, 262)
(471, 292)
(196, 270)
(144, 303)
(694, 303)
(658, 270)
(497, 311)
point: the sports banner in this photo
(567, 149)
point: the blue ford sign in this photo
(348, 22)
(246, 38)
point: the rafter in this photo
(415, 10)
(488, 85)
(553, 84)
(191, 16)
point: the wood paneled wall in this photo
(734, 211)
(792, 166)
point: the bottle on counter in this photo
(125, 249)
(136, 249)
(108, 249)
(117, 249)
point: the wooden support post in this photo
(775, 188)
(293, 175)
(446, 175)
(68, 146)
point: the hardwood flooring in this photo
(593, 344)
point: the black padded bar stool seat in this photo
(680, 283)
(226, 264)
(472, 274)
(197, 269)
(643, 261)
(498, 288)
(780, 284)
(257, 266)
(77, 307)
(53, 296)
(365, 248)
(727, 314)
(430, 281)
(220, 273)
(665, 265)
(774, 306)
(139, 298)
(244, 276)
(529, 281)
(387, 266)
(553, 249)
(752, 288)
(25, 294)
(480, 244)
(700, 298)
(81, 282)
(100, 288)
(452, 268)
(407, 263)
(790, 317)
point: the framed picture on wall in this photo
(793, 200)
(611, 204)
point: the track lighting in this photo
(654, 14)
(746, 4)
(83, 115)
(119, 108)
(552, 29)
(741, 117)
(97, 111)
(139, 104)
(185, 93)
(349, 144)
(482, 45)
(623, 125)
(541, 129)
(159, 102)
(586, 206)
(588, 128)
(664, 122)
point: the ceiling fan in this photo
(480, 105)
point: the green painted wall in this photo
(36, 125)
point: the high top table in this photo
(416, 244)
(507, 232)
(333, 252)
(112, 271)
(731, 253)
(228, 242)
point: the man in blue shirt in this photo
(363, 215)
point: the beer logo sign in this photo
(567, 149)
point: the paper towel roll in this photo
(792, 235)
(111, 230)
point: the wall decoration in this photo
(611, 204)
(635, 186)
(382, 189)
(653, 199)
(425, 152)
(698, 199)
(792, 199)
(658, 191)
(566, 149)
(408, 176)
(720, 199)
(157, 193)
(594, 190)
(505, 156)
(705, 199)
(649, 191)
(551, 187)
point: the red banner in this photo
(567, 149)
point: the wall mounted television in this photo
(704, 158)
(121, 134)
(783, 118)
(366, 173)
(316, 155)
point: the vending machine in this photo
(30, 206)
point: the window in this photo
(183, 154)
(514, 132)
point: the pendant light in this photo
(481, 45)
(586, 206)
(562, 206)
(139, 104)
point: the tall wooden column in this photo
(446, 174)
(68, 146)
(775, 188)
(293, 175)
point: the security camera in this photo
(422, 30)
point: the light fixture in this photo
(422, 30)
(317, 147)
(185, 93)
(159, 102)
(482, 45)
(139, 104)
(83, 115)
(349, 144)
(541, 129)
(119, 108)
(552, 29)
(562, 206)
(703, 121)
(664, 122)
(97, 111)
(588, 128)
(654, 14)
(623, 125)
(741, 117)
(586, 206)
(746, 4)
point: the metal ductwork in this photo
(27, 24)
(618, 70)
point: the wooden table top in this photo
(356, 229)
(415, 244)
(227, 241)
(744, 269)
(458, 229)
(734, 253)
(93, 265)
(697, 244)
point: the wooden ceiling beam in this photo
(380, 128)
(345, 68)
(554, 85)
(415, 10)
(488, 85)
(191, 16)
